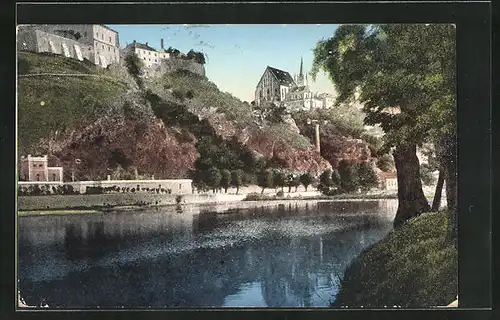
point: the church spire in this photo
(301, 63)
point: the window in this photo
(102, 36)
(109, 39)
(97, 34)
(37, 177)
(102, 46)
(109, 49)
(34, 165)
(85, 34)
(180, 186)
(114, 50)
(40, 165)
(53, 177)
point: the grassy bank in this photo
(412, 267)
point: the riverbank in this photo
(413, 267)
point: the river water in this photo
(269, 255)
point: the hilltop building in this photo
(277, 86)
(149, 55)
(96, 43)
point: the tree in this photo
(214, 178)
(237, 179)
(385, 162)
(134, 67)
(366, 176)
(279, 179)
(348, 176)
(306, 179)
(406, 68)
(336, 178)
(292, 180)
(225, 180)
(325, 181)
(426, 174)
(265, 179)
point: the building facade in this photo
(36, 169)
(149, 55)
(96, 43)
(273, 86)
(278, 86)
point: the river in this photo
(265, 255)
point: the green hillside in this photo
(49, 103)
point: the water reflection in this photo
(282, 255)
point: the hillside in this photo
(103, 118)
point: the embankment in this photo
(413, 267)
(96, 201)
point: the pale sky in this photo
(237, 55)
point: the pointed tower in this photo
(300, 79)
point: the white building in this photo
(149, 55)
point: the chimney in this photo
(146, 43)
(134, 42)
(161, 43)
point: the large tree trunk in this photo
(436, 202)
(451, 186)
(411, 199)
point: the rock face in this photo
(148, 146)
(174, 64)
(336, 148)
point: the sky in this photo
(237, 55)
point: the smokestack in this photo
(161, 43)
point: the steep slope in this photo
(74, 110)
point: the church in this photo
(278, 87)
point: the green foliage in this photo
(336, 181)
(279, 179)
(237, 179)
(325, 181)
(292, 180)
(48, 105)
(205, 94)
(348, 176)
(306, 179)
(411, 67)
(134, 67)
(367, 177)
(196, 56)
(385, 162)
(214, 178)
(281, 131)
(394, 278)
(426, 174)
(265, 179)
(225, 180)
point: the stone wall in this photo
(174, 64)
(40, 41)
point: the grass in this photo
(51, 103)
(413, 267)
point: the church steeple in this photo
(301, 64)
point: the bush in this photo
(280, 194)
(306, 179)
(179, 199)
(94, 190)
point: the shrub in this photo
(179, 198)
(306, 179)
(94, 190)
(280, 193)
(132, 190)
(265, 180)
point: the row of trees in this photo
(348, 178)
(410, 68)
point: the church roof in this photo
(283, 77)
